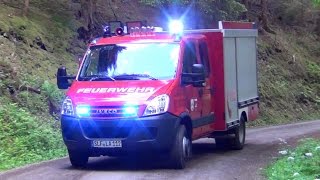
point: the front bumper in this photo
(153, 133)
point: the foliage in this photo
(49, 101)
(316, 2)
(294, 12)
(36, 27)
(301, 163)
(28, 132)
(288, 68)
(52, 92)
(26, 139)
(313, 70)
(202, 10)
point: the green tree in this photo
(316, 2)
(196, 13)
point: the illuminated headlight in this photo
(67, 107)
(157, 105)
(176, 27)
(83, 110)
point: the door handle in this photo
(200, 91)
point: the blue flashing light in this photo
(106, 31)
(83, 111)
(129, 111)
(176, 27)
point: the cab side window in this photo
(189, 57)
(203, 50)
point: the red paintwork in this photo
(215, 46)
(253, 112)
(179, 95)
(158, 37)
(237, 25)
(117, 98)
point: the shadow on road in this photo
(148, 162)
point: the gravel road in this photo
(261, 148)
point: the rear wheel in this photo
(78, 159)
(234, 140)
(237, 142)
(181, 150)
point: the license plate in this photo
(106, 143)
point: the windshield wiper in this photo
(98, 78)
(134, 76)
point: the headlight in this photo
(67, 107)
(157, 105)
(83, 110)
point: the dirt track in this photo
(208, 162)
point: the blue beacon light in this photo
(129, 111)
(176, 27)
(83, 111)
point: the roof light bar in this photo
(176, 27)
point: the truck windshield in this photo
(131, 61)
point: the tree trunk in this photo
(85, 12)
(264, 17)
(26, 7)
(90, 25)
(246, 4)
(245, 14)
(88, 9)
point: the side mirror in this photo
(62, 78)
(197, 78)
(199, 75)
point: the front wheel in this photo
(78, 159)
(181, 150)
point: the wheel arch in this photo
(244, 115)
(185, 120)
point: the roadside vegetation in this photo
(31, 49)
(26, 138)
(35, 41)
(302, 162)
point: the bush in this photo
(301, 163)
(26, 139)
(293, 12)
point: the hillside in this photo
(56, 32)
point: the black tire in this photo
(235, 140)
(238, 141)
(181, 150)
(78, 159)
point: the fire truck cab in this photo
(146, 91)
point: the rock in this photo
(278, 50)
(302, 98)
(83, 34)
(38, 42)
(5, 35)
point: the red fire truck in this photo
(139, 90)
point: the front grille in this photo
(110, 112)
